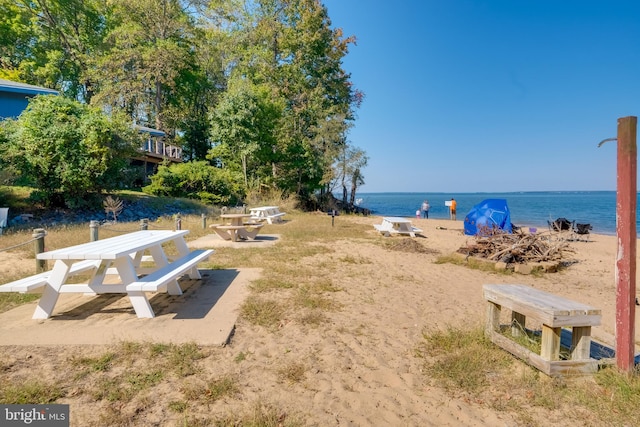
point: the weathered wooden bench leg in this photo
(248, 235)
(226, 235)
(517, 324)
(493, 318)
(550, 343)
(581, 343)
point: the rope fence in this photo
(38, 238)
(17, 246)
(94, 227)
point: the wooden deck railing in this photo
(160, 149)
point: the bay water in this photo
(528, 209)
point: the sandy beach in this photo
(359, 364)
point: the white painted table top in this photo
(396, 220)
(115, 247)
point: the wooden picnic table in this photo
(235, 219)
(121, 255)
(237, 228)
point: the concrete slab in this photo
(205, 314)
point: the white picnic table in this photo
(121, 255)
(270, 214)
(396, 225)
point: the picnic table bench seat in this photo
(275, 216)
(237, 227)
(161, 278)
(248, 230)
(270, 214)
(38, 281)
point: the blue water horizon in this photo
(527, 208)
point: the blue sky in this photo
(491, 96)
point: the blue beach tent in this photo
(490, 213)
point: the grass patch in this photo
(87, 365)
(262, 311)
(292, 372)
(272, 282)
(182, 359)
(30, 392)
(313, 318)
(462, 358)
(112, 390)
(240, 357)
(9, 300)
(178, 406)
(213, 390)
(471, 262)
(311, 297)
(143, 380)
(350, 259)
(260, 415)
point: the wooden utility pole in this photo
(626, 235)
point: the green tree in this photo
(289, 46)
(68, 149)
(150, 48)
(242, 126)
(52, 42)
(348, 170)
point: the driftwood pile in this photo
(517, 248)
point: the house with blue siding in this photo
(14, 97)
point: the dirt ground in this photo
(360, 367)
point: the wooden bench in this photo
(554, 313)
(36, 282)
(161, 278)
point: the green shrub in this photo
(196, 180)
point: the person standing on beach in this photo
(452, 209)
(425, 209)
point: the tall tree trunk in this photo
(356, 180)
(158, 102)
(244, 170)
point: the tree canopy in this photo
(255, 87)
